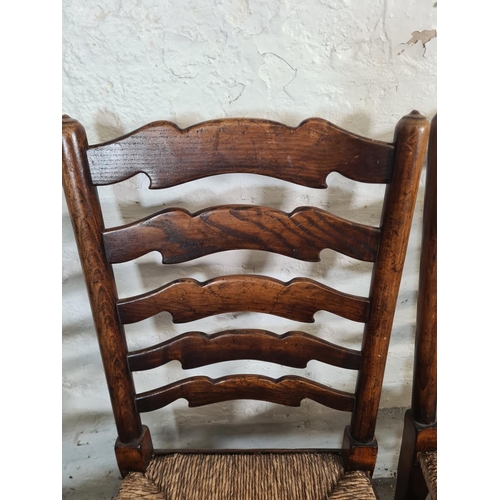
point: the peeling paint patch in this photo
(424, 36)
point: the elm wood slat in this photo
(83, 204)
(288, 390)
(195, 349)
(410, 139)
(181, 236)
(188, 300)
(303, 155)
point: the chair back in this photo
(304, 155)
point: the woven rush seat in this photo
(428, 462)
(242, 476)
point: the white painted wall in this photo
(126, 63)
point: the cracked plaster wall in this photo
(126, 63)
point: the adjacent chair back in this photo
(304, 155)
(417, 469)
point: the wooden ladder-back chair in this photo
(417, 468)
(304, 155)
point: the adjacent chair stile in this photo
(417, 468)
(303, 155)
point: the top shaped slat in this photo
(303, 155)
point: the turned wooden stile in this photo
(420, 423)
(83, 204)
(410, 145)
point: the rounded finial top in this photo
(416, 115)
(70, 127)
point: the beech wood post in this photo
(82, 199)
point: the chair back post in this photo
(83, 204)
(420, 423)
(424, 393)
(410, 140)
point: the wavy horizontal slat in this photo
(188, 300)
(288, 390)
(303, 155)
(195, 349)
(180, 236)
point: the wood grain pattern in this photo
(195, 349)
(359, 456)
(417, 437)
(188, 300)
(136, 455)
(303, 155)
(289, 391)
(85, 211)
(411, 136)
(424, 392)
(180, 236)
(420, 424)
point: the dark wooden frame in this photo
(304, 155)
(420, 424)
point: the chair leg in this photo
(410, 483)
(359, 456)
(134, 456)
